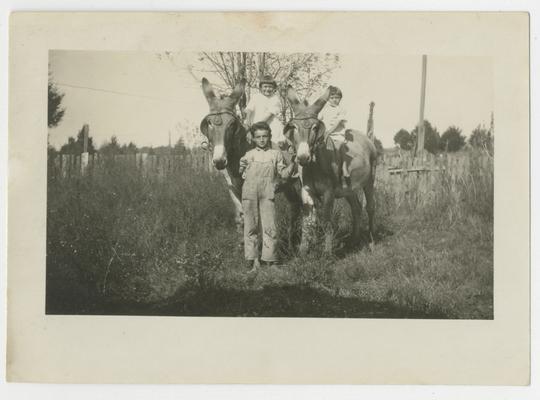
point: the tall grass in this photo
(117, 237)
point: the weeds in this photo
(119, 237)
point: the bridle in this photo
(315, 142)
(229, 112)
(219, 122)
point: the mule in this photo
(321, 169)
(228, 141)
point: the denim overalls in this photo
(258, 195)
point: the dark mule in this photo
(321, 172)
(228, 139)
(228, 142)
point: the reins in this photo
(228, 112)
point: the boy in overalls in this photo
(261, 168)
(335, 118)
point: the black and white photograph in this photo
(269, 184)
(269, 198)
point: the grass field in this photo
(119, 243)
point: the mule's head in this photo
(221, 123)
(305, 131)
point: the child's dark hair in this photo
(335, 91)
(261, 126)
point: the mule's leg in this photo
(356, 213)
(238, 213)
(235, 192)
(295, 228)
(295, 215)
(370, 207)
(308, 228)
(328, 208)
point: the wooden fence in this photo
(71, 165)
(398, 173)
(418, 179)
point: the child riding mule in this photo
(320, 173)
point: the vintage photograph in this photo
(266, 184)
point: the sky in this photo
(142, 98)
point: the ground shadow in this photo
(271, 301)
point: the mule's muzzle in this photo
(303, 154)
(220, 163)
(303, 159)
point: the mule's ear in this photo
(208, 91)
(320, 102)
(238, 90)
(293, 98)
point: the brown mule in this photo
(320, 163)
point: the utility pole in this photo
(84, 155)
(370, 126)
(420, 138)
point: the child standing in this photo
(261, 168)
(335, 119)
(265, 107)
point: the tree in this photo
(111, 147)
(308, 73)
(404, 139)
(431, 137)
(55, 111)
(130, 148)
(452, 139)
(481, 139)
(76, 146)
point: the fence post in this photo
(65, 165)
(84, 163)
(144, 163)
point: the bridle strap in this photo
(319, 141)
(232, 114)
(228, 112)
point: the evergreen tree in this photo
(404, 139)
(452, 139)
(55, 111)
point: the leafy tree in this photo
(76, 146)
(147, 149)
(481, 139)
(452, 139)
(130, 148)
(111, 147)
(55, 111)
(431, 137)
(404, 139)
(308, 73)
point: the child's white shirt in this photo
(260, 106)
(332, 116)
